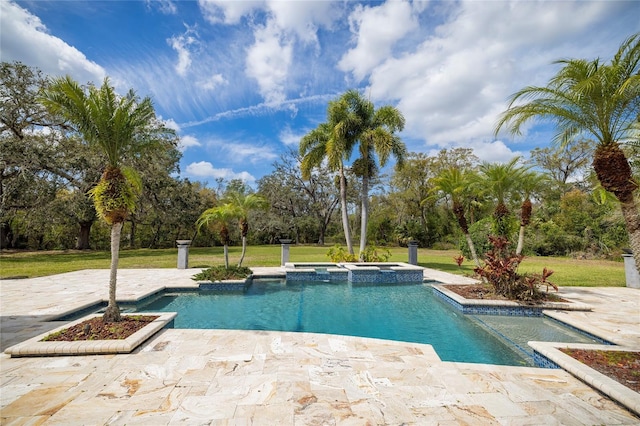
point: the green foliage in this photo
(339, 254)
(479, 232)
(372, 253)
(501, 271)
(220, 273)
(116, 194)
(375, 254)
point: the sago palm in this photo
(116, 124)
(530, 183)
(459, 186)
(217, 219)
(241, 205)
(596, 98)
(500, 180)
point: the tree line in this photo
(559, 200)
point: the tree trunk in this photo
(112, 313)
(520, 240)
(132, 234)
(345, 213)
(632, 219)
(244, 250)
(364, 215)
(82, 242)
(5, 235)
(226, 256)
(472, 249)
(614, 173)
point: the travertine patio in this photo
(273, 378)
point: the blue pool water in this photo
(396, 312)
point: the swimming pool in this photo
(407, 312)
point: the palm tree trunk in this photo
(472, 249)
(112, 313)
(345, 213)
(364, 216)
(244, 249)
(226, 256)
(632, 219)
(520, 240)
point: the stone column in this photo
(413, 252)
(630, 271)
(183, 253)
(284, 251)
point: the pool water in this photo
(406, 312)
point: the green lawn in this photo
(568, 272)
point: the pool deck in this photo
(231, 377)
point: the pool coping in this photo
(610, 387)
(36, 347)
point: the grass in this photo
(568, 272)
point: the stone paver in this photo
(257, 377)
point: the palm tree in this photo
(500, 180)
(332, 141)
(459, 185)
(601, 99)
(375, 131)
(116, 124)
(241, 205)
(218, 218)
(529, 183)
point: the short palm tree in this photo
(241, 205)
(459, 186)
(530, 183)
(218, 218)
(500, 180)
(117, 125)
(601, 99)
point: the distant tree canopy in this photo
(46, 171)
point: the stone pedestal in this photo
(413, 252)
(183, 253)
(284, 251)
(630, 271)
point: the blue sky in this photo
(242, 81)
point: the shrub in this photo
(501, 271)
(375, 254)
(339, 254)
(219, 273)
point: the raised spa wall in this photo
(370, 273)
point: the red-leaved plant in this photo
(501, 271)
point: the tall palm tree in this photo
(332, 141)
(530, 182)
(458, 185)
(217, 218)
(374, 130)
(117, 125)
(500, 180)
(241, 204)
(597, 98)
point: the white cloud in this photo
(376, 30)
(171, 123)
(268, 61)
(204, 169)
(303, 17)
(25, 38)
(212, 82)
(290, 138)
(182, 45)
(167, 7)
(452, 86)
(188, 141)
(227, 12)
